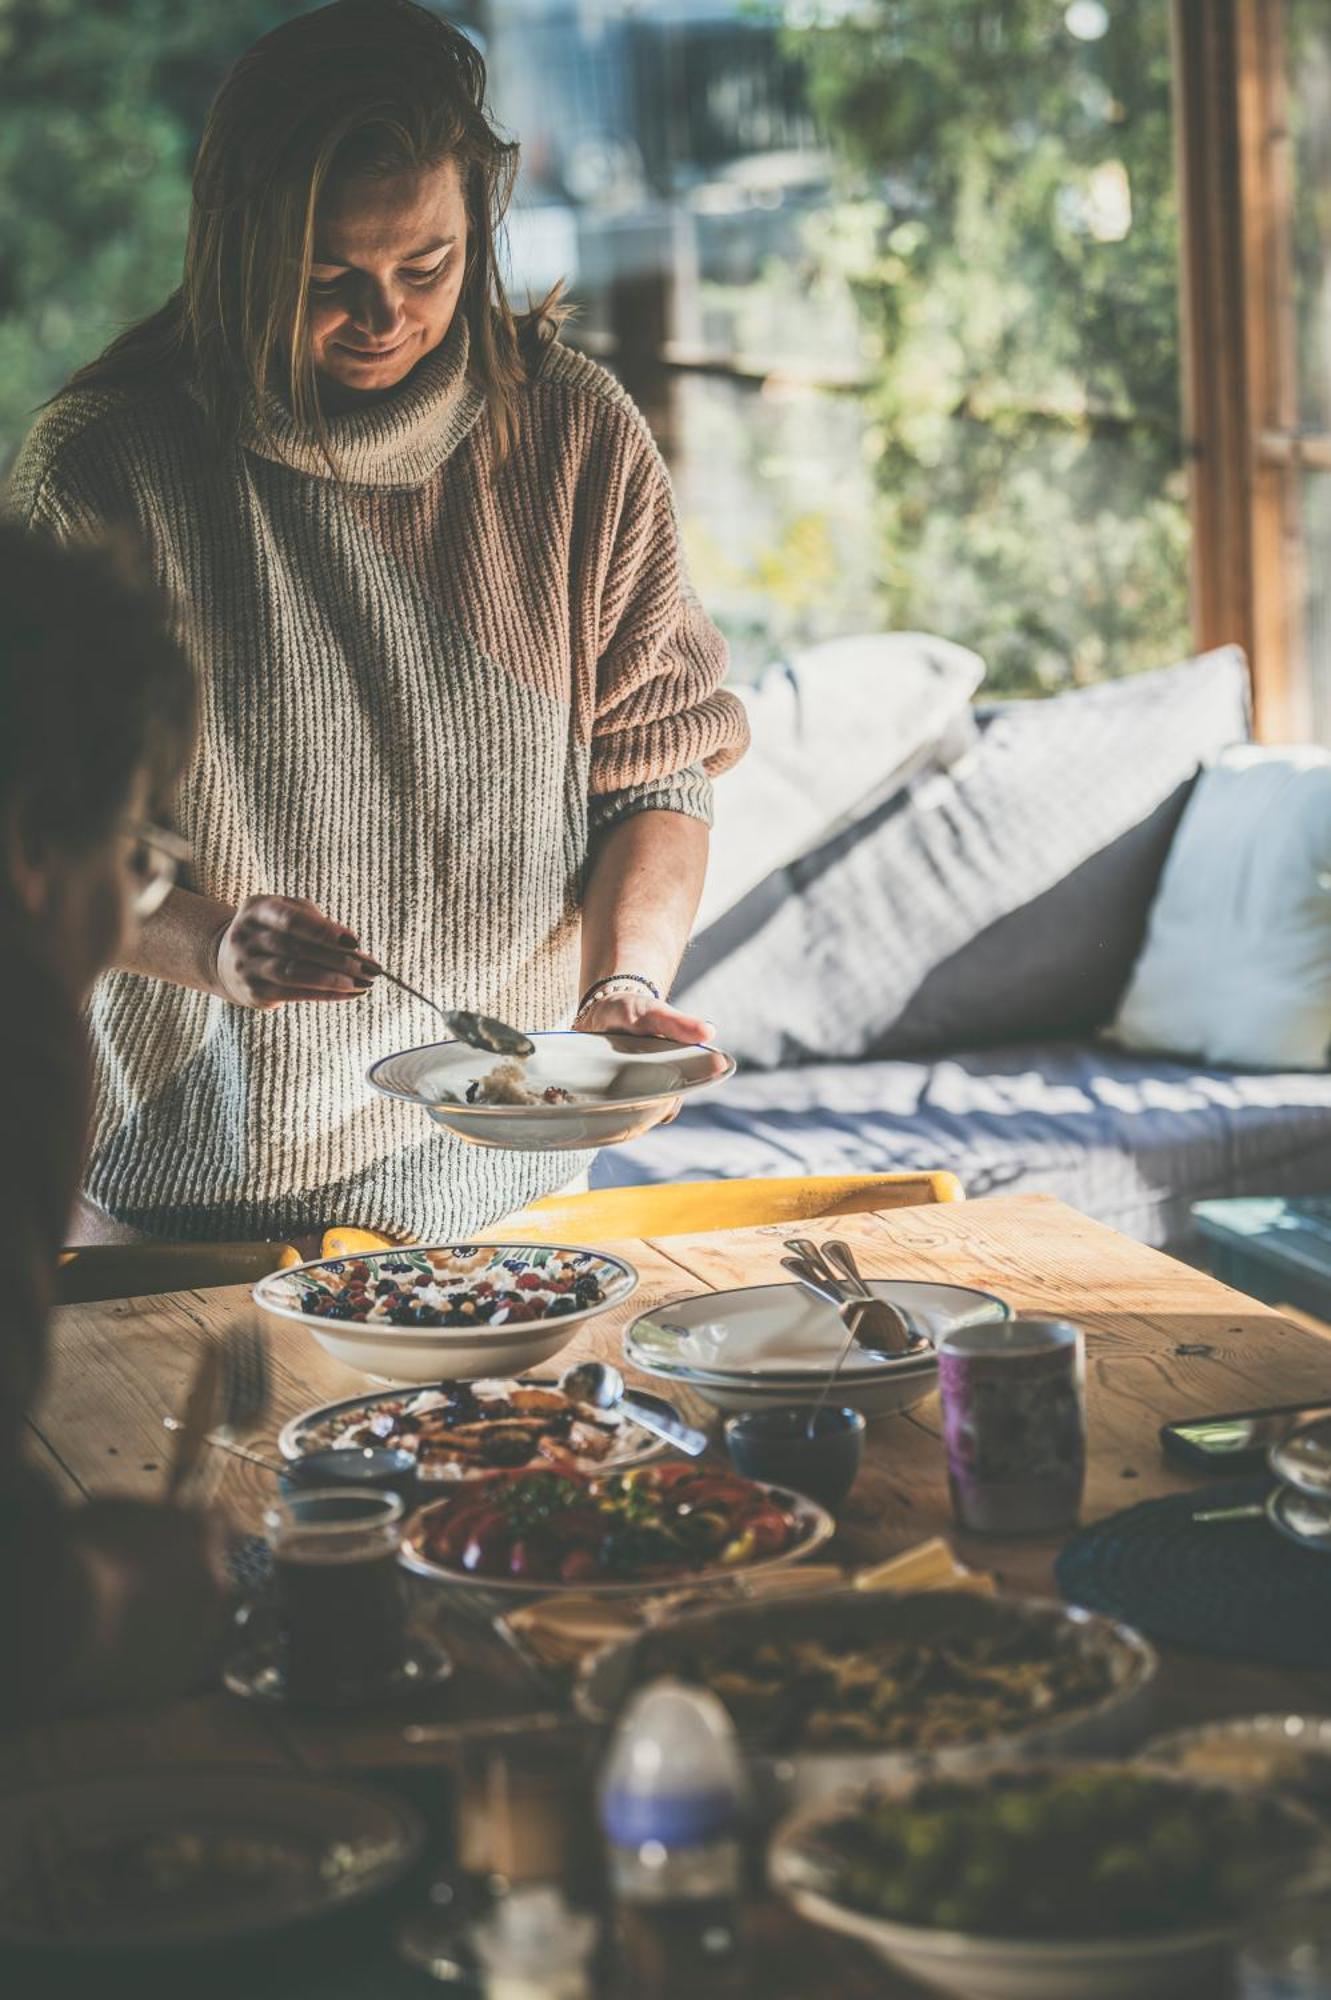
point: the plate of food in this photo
(448, 1311)
(458, 1430)
(574, 1091)
(774, 1344)
(652, 1527)
(830, 1690)
(172, 1861)
(1049, 1882)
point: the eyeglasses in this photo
(156, 858)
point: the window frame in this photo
(1244, 445)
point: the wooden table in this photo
(1163, 1340)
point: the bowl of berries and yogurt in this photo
(448, 1312)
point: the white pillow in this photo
(834, 730)
(1236, 968)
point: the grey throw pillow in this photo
(1005, 897)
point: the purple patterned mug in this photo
(1014, 1423)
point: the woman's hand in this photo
(280, 948)
(639, 1014)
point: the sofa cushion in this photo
(1130, 1142)
(1236, 967)
(1003, 898)
(832, 731)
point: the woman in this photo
(118, 1599)
(459, 709)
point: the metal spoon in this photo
(848, 1311)
(601, 1384)
(880, 1326)
(852, 1315)
(884, 1327)
(478, 1031)
(842, 1259)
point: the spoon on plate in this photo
(478, 1031)
(601, 1384)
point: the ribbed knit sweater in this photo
(424, 689)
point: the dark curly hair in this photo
(93, 688)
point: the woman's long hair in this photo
(370, 87)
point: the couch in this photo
(931, 984)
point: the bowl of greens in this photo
(1050, 1881)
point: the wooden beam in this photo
(1239, 392)
(1215, 367)
(1275, 526)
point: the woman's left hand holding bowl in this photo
(640, 1014)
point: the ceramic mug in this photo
(1014, 1423)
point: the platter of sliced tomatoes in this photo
(665, 1523)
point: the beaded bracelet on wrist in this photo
(599, 988)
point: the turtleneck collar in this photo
(399, 439)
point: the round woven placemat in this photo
(1235, 1587)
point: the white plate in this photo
(777, 1333)
(630, 1083)
(815, 1526)
(321, 1844)
(425, 1355)
(631, 1445)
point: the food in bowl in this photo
(842, 1690)
(646, 1525)
(461, 1288)
(1080, 1852)
(507, 1083)
(460, 1428)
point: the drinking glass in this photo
(1014, 1423)
(340, 1593)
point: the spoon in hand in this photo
(601, 1384)
(478, 1031)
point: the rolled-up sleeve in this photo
(664, 726)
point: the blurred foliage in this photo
(101, 105)
(1009, 230)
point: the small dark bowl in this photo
(370, 1468)
(774, 1445)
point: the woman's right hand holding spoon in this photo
(281, 948)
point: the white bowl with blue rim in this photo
(774, 1344)
(622, 1085)
(429, 1354)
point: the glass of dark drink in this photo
(340, 1594)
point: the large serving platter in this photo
(814, 1527)
(774, 1344)
(310, 1430)
(110, 1865)
(797, 1776)
(624, 1084)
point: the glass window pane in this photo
(896, 283)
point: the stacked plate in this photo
(771, 1344)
